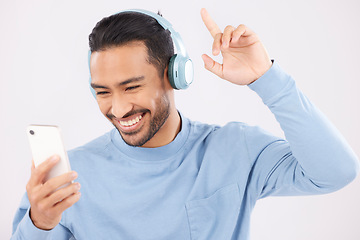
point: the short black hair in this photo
(125, 27)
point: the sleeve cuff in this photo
(30, 231)
(271, 83)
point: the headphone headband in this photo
(180, 48)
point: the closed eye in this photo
(101, 93)
(132, 88)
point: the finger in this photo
(212, 66)
(53, 184)
(39, 173)
(67, 202)
(241, 30)
(209, 23)
(216, 44)
(31, 180)
(226, 37)
(63, 193)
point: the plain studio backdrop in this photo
(44, 80)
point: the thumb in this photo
(212, 66)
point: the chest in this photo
(190, 199)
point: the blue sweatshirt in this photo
(205, 183)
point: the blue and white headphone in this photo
(181, 70)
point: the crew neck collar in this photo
(153, 154)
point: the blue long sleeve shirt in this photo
(204, 184)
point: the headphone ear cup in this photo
(172, 74)
(180, 72)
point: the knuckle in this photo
(218, 35)
(35, 172)
(32, 198)
(48, 184)
(56, 195)
(68, 202)
(28, 187)
(76, 187)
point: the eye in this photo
(132, 87)
(102, 93)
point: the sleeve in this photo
(313, 159)
(24, 229)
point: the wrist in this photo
(264, 71)
(274, 81)
(40, 225)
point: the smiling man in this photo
(159, 175)
(134, 95)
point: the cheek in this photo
(153, 98)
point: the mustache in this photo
(128, 114)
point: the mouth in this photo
(131, 123)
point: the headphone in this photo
(181, 70)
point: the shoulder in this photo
(229, 133)
(229, 130)
(240, 133)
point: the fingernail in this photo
(54, 158)
(73, 175)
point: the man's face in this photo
(130, 92)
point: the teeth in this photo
(131, 122)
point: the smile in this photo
(130, 122)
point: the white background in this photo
(44, 80)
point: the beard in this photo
(145, 133)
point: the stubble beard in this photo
(156, 122)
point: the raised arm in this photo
(315, 158)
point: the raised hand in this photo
(245, 58)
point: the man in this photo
(157, 174)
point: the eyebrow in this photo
(127, 81)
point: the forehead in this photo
(121, 62)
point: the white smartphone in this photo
(45, 141)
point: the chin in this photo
(135, 139)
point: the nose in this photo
(120, 106)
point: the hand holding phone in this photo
(50, 189)
(48, 201)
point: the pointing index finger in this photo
(209, 23)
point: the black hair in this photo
(125, 27)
